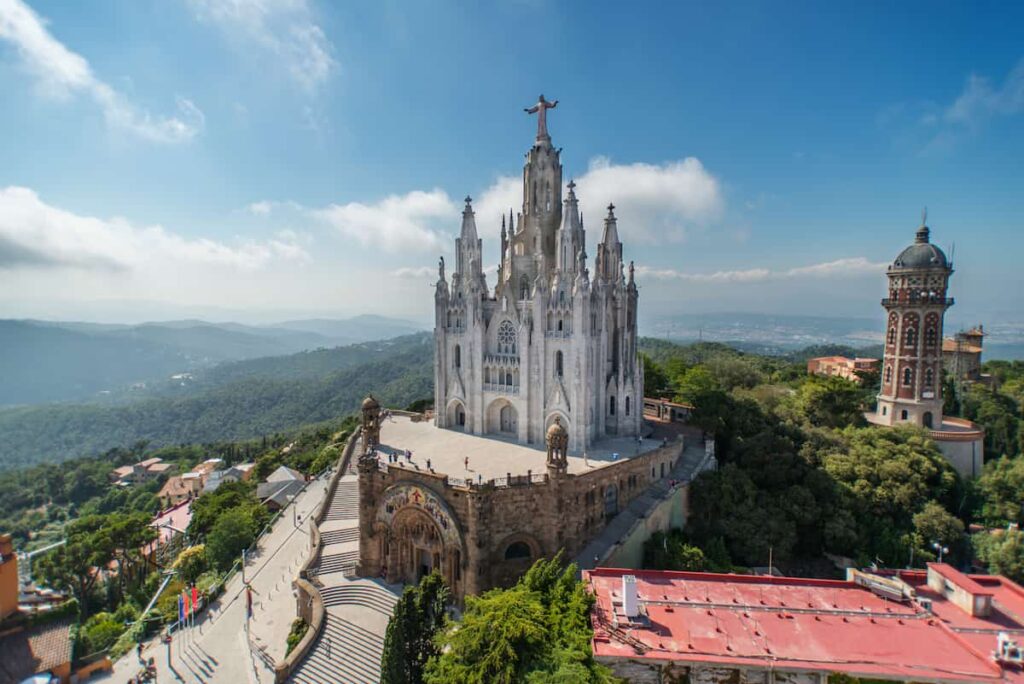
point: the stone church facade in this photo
(546, 359)
(548, 340)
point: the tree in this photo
(1002, 487)
(831, 402)
(671, 552)
(933, 523)
(1003, 552)
(537, 631)
(409, 641)
(191, 563)
(234, 530)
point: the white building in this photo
(548, 341)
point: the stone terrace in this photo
(491, 456)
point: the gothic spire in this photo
(469, 222)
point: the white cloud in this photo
(285, 28)
(62, 73)
(34, 234)
(840, 268)
(655, 203)
(415, 221)
(415, 272)
(262, 208)
(980, 100)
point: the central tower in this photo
(548, 344)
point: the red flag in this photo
(188, 603)
(195, 597)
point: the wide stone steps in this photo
(354, 655)
(349, 534)
(368, 595)
(339, 562)
(344, 503)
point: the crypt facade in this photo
(537, 440)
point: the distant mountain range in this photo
(48, 361)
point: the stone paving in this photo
(490, 456)
(217, 648)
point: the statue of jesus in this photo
(541, 110)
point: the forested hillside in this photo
(239, 401)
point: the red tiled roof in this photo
(959, 579)
(783, 623)
(34, 650)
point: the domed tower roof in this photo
(557, 429)
(370, 403)
(921, 254)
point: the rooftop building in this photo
(842, 366)
(937, 625)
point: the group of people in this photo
(396, 456)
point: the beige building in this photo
(842, 366)
(961, 354)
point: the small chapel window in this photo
(908, 376)
(892, 335)
(458, 356)
(611, 406)
(558, 364)
(627, 406)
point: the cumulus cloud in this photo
(415, 221)
(286, 29)
(840, 268)
(656, 203)
(262, 208)
(415, 272)
(62, 73)
(34, 234)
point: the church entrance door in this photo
(508, 419)
(426, 563)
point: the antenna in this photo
(952, 254)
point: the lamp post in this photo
(940, 548)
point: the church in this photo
(548, 341)
(537, 440)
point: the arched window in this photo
(929, 377)
(524, 288)
(611, 406)
(929, 337)
(908, 376)
(506, 338)
(518, 550)
(627, 406)
(885, 410)
(888, 374)
(927, 419)
(558, 364)
(458, 356)
(911, 337)
(892, 335)
(904, 415)
(508, 379)
(559, 325)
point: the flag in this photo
(181, 611)
(188, 605)
(195, 597)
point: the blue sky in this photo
(262, 159)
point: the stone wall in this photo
(546, 512)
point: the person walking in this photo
(467, 463)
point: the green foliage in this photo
(1002, 551)
(672, 552)
(536, 631)
(409, 642)
(1002, 488)
(295, 634)
(1000, 415)
(210, 507)
(191, 563)
(234, 530)
(934, 524)
(831, 402)
(99, 633)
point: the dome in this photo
(556, 429)
(370, 403)
(921, 254)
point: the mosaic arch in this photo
(413, 496)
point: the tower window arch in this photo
(627, 406)
(611, 405)
(506, 338)
(908, 376)
(892, 335)
(458, 356)
(558, 364)
(888, 374)
(911, 337)
(929, 337)
(524, 288)
(929, 378)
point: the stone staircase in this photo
(348, 534)
(345, 503)
(366, 594)
(344, 562)
(344, 653)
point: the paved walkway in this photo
(357, 610)
(217, 648)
